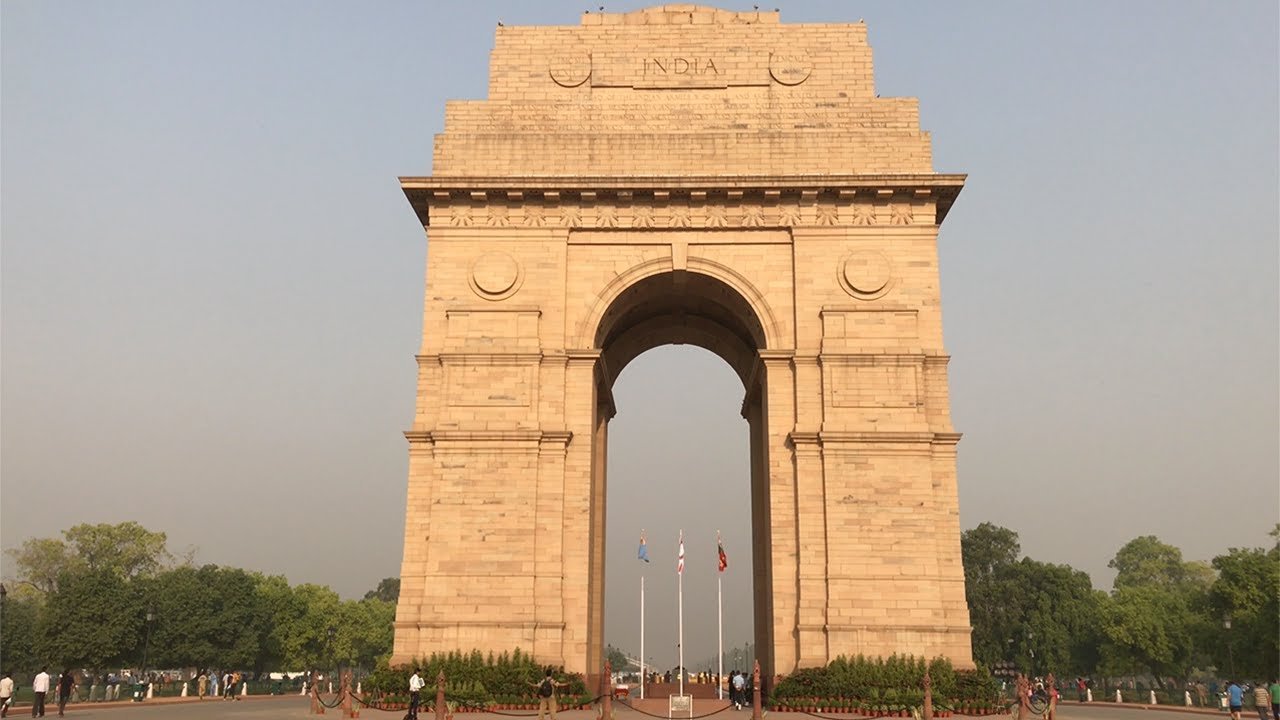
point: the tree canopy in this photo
(1165, 615)
(87, 596)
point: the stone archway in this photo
(682, 307)
(683, 174)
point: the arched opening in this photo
(689, 309)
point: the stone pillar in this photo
(811, 530)
(926, 712)
(316, 707)
(761, 530)
(606, 692)
(441, 708)
(346, 693)
(780, 470)
(604, 411)
(581, 587)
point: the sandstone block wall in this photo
(683, 174)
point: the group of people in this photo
(1266, 699)
(65, 687)
(738, 694)
(207, 684)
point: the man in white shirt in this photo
(6, 694)
(415, 693)
(39, 686)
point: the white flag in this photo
(680, 557)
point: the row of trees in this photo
(84, 600)
(1165, 616)
(111, 596)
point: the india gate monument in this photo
(683, 174)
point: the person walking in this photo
(6, 694)
(1235, 699)
(739, 691)
(547, 695)
(40, 687)
(202, 684)
(1275, 699)
(66, 686)
(1262, 699)
(416, 684)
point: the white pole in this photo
(680, 624)
(643, 677)
(720, 634)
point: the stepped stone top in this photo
(679, 90)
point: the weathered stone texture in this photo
(689, 175)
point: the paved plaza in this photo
(297, 707)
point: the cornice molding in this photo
(684, 202)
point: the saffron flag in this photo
(724, 559)
(644, 549)
(680, 557)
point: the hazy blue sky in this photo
(212, 283)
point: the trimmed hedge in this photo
(889, 686)
(476, 680)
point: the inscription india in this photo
(680, 66)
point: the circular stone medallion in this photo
(496, 276)
(570, 69)
(866, 274)
(790, 68)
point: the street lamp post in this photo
(1031, 650)
(146, 645)
(1231, 663)
(333, 655)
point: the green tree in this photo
(94, 620)
(205, 617)
(1147, 628)
(19, 618)
(986, 549)
(1058, 612)
(988, 553)
(618, 659)
(276, 611)
(302, 627)
(1147, 562)
(388, 590)
(1247, 591)
(1042, 617)
(127, 549)
(41, 561)
(365, 631)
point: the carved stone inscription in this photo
(666, 67)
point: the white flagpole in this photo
(642, 675)
(720, 633)
(680, 594)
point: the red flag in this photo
(724, 559)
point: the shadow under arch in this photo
(710, 307)
(590, 332)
